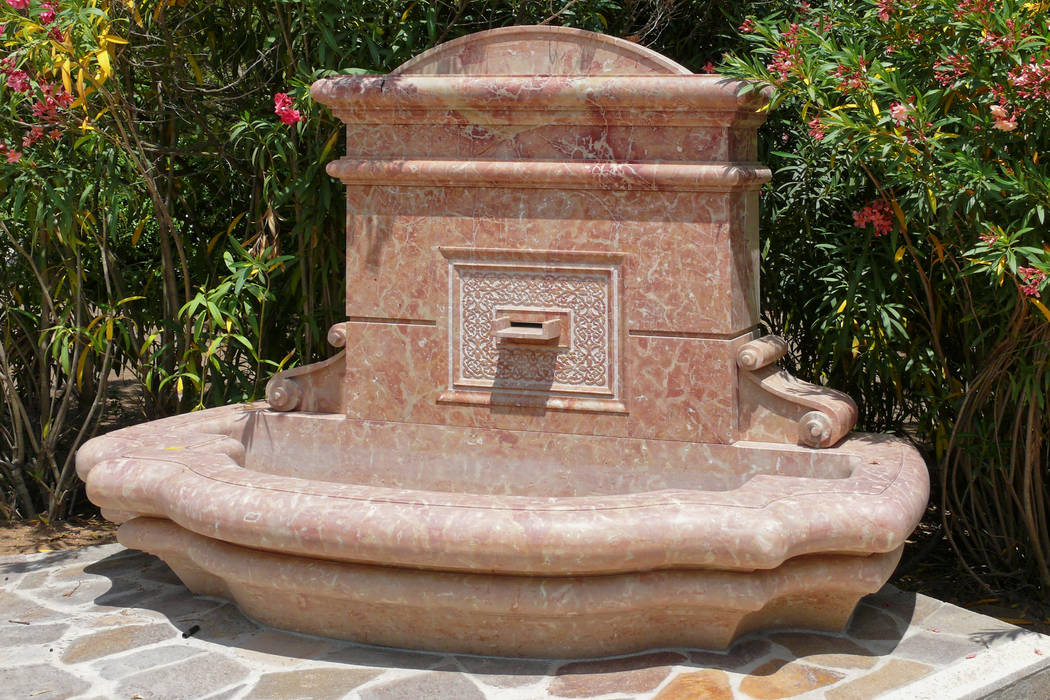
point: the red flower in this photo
(900, 113)
(35, 134)
(951, 69)
(15, 156)
(746, 27)
(850, 78)
(47, 13)
(282, 107)
(56, 34)
(281, 100)
(18, 81)
(18, 5)
(1004, 120)
(877, 213)
(782, 64)
(816, 129)
(290, 116)
(1033, 278)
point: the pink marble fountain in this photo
(554, 429)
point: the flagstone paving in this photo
(107, 622)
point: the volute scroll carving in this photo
(776, 406)
(315, 387)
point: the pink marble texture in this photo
(208, 491)
(647, 477)
(534, 616)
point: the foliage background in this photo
(178, 232)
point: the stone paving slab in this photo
(107, 622)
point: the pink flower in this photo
(972, 7)
(850, 78)
(56, 35)
(885, 7)
(282, 107)
(281, 100)
(47, 13)
(747, 27)
(816, 129)
(55, 134)
(876, 213)
(950, 69)
(289, 116)
(988, 238)
(1004, 120)
(18, 5)
(1033, 278)
(35, 134)
(18, 81)
(900, 112)
(15, 156)
(710, 68)
(782, 64)
(46, 109)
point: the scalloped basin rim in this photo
(189, 469)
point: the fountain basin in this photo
(451, 548)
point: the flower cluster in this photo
(949, 70)
(47, 13)
(852, 78)
(1032, 279)
(782, 63)
(1032, 80)
(19, 4)
(747, 26)
(282, 107)
(1005, 120)
(972, 7)
(816, 129)
(999, 42)
(876, 213)
(17, 80)
(6, 151)
(885, 8)
(901, 113)
(46, 108)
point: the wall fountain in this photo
(554, 429)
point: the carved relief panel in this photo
(534, 328)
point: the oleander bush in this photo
(908, 246)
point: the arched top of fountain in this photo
(539, 50)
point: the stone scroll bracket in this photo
(316, 387)
(775, 406)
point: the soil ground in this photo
(33, 536)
